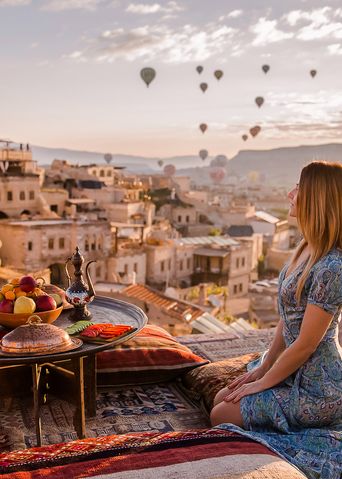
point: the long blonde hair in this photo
(319, 213)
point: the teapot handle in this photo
(67, 271)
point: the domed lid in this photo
(35, 337)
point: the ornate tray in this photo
(109, 310)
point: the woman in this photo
(296, 389)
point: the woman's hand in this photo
(245, 390)
(249, 377)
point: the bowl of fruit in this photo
(22, 297)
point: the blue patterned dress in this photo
(301, 418)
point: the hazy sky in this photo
(69, 74)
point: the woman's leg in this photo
(221, 395)
(226, 412)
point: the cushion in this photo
(204, 382)
(150, 356)
(204, 453)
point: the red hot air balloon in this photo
(169, 170)
(255, 130)
(203, 154)
(199, 69)
(313, 73)
(203, 127)
(265, 68)
(217, 174)
(218, 74)
(259, 101)
(203, 86)
(244, 137)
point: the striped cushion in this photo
(152, 355)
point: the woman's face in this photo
(292, 196)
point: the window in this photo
(102, 173)
(179, 219)
(54, 208)
(109, 173)
(188, 263)
(162, 266)
(61, 243)
(98, 272)
(235, 289)
(51, 243)
(135, 267)
(22, 196)
(240, 287)
(181, 265)
(30, 245)
(93, 246)
(86, 245)
(9, 196)
(126, 269)
(31, 195)
(237, 263)
(243, 261)
(188, 219)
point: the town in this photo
(196, 258)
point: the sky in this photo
(70, 74)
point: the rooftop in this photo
(177, 308)
(206, 240)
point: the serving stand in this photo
(71, 375)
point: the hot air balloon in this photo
(203, 154)
(313, 73)
(160, 163)
(108, 157)
(217, 174)
(255, 130)
(259, 101)
(203, 86)
(265, 68)
(244, 137)
(203, 127)
(199, 69)
(169, 170)
(219, 161)
(148, 75)
(218, 74)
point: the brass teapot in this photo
(78, 293)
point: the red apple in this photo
(6, 306)
(27, 284)
(45, 303)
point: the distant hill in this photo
(283, 165)
(279, 165)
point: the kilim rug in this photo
(142, 408)
(156, 408)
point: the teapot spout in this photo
(91, 290)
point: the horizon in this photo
(84, 91)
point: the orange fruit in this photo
(15, 281)
(10, 295)
(7, 287)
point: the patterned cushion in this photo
(204, 382)
(150, 356)
(204, 453)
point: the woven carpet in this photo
(142, 408)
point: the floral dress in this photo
(301, 418)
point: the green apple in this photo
(57, 298)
